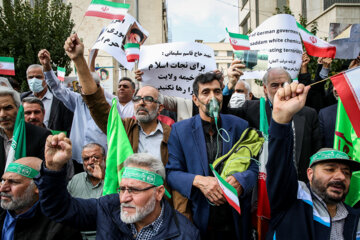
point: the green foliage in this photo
(27, 28)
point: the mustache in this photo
(127, 205)
(33, 120)
(142, 109)
(337, 184)
(6, 118)
(3, 194)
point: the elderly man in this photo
(137, 212)
(306, 211)
(22, 217)
(87, 184)
(196, 142)
(36, 136)
(307, 136)
(57, 116)
(34, 111)
(241, 93)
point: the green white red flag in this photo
(107, 9)
(346, 140)
(229, 191)
(239, 41)
(316, 46)
(132, 51)
(61, 73)
(119, 148)
(18, 143)
(7, 66)
(347, 85)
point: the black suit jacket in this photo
(60, 118)
(307, 132)
(35, 144)
(327, 120)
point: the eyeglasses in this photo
(132, 190)
(146, 99)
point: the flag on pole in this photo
(18, 143)
(347, 86)
(263, 200)
(315, 46)
(239, 41)
(7, 66)
(107, 9)
(61, 73)
(229, 191)
(119, 148)
(132, 51)
(346, 140)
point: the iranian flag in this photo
(315, 46)
(229, 191)
(18, 143)
(347, 85)
(107, 9)
(132, 51)
(7, 66)
(239, 41)
(61, 73)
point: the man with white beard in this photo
(20, 200)
(139, 211)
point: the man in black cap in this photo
(306, 211)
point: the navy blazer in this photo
(327, 121)
(188, 158)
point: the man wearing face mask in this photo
(241, 93)
(57, 116)
(194, 143)
(307, 136)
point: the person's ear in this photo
(160, 191)
(195, 100)
(310, 174)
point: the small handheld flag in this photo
(239, 41)
(7, 66)
(107, 9)
(61, 73)
(132, 51)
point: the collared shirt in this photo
(8, 229)
(80, 186)
(148, 232)
(47, 101)
(150, 143)
(84, 129)
(127, 111)
(337, 222)
(6, 142)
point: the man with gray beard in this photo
(22, 218)
(139, 211)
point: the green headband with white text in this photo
(145, 176)
(22, 170)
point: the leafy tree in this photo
(29, 26)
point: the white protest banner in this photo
(172, 67)
(279, 35)
(117, 34)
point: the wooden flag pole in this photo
(319, 81)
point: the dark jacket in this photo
(40, 227)
(35, 144)
(102, 214)
(293, 212)
(60, 118)
(307, 132)
(327, 121)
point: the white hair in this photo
(32, 66)
(5, 91)
(146, 160)
(266, 76)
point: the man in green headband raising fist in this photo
(22, 217)
(139, 211)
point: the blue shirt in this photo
(8, 229)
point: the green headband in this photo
(22, 169)
(145, 176)
(327, 155)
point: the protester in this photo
(22, 218)
(9, 106)
(306, 211)
(125, 92)
(193, 144)
(138, 212)
(307, 136)
(34, 111)
(84, 130)
(57, 116)
(241, 93)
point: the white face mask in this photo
(237, 100)
(35, 85)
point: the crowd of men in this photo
(167, 189)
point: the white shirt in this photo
(127, 110)
(150, 143)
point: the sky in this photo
(206, 20)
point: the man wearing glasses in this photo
(137, 212)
